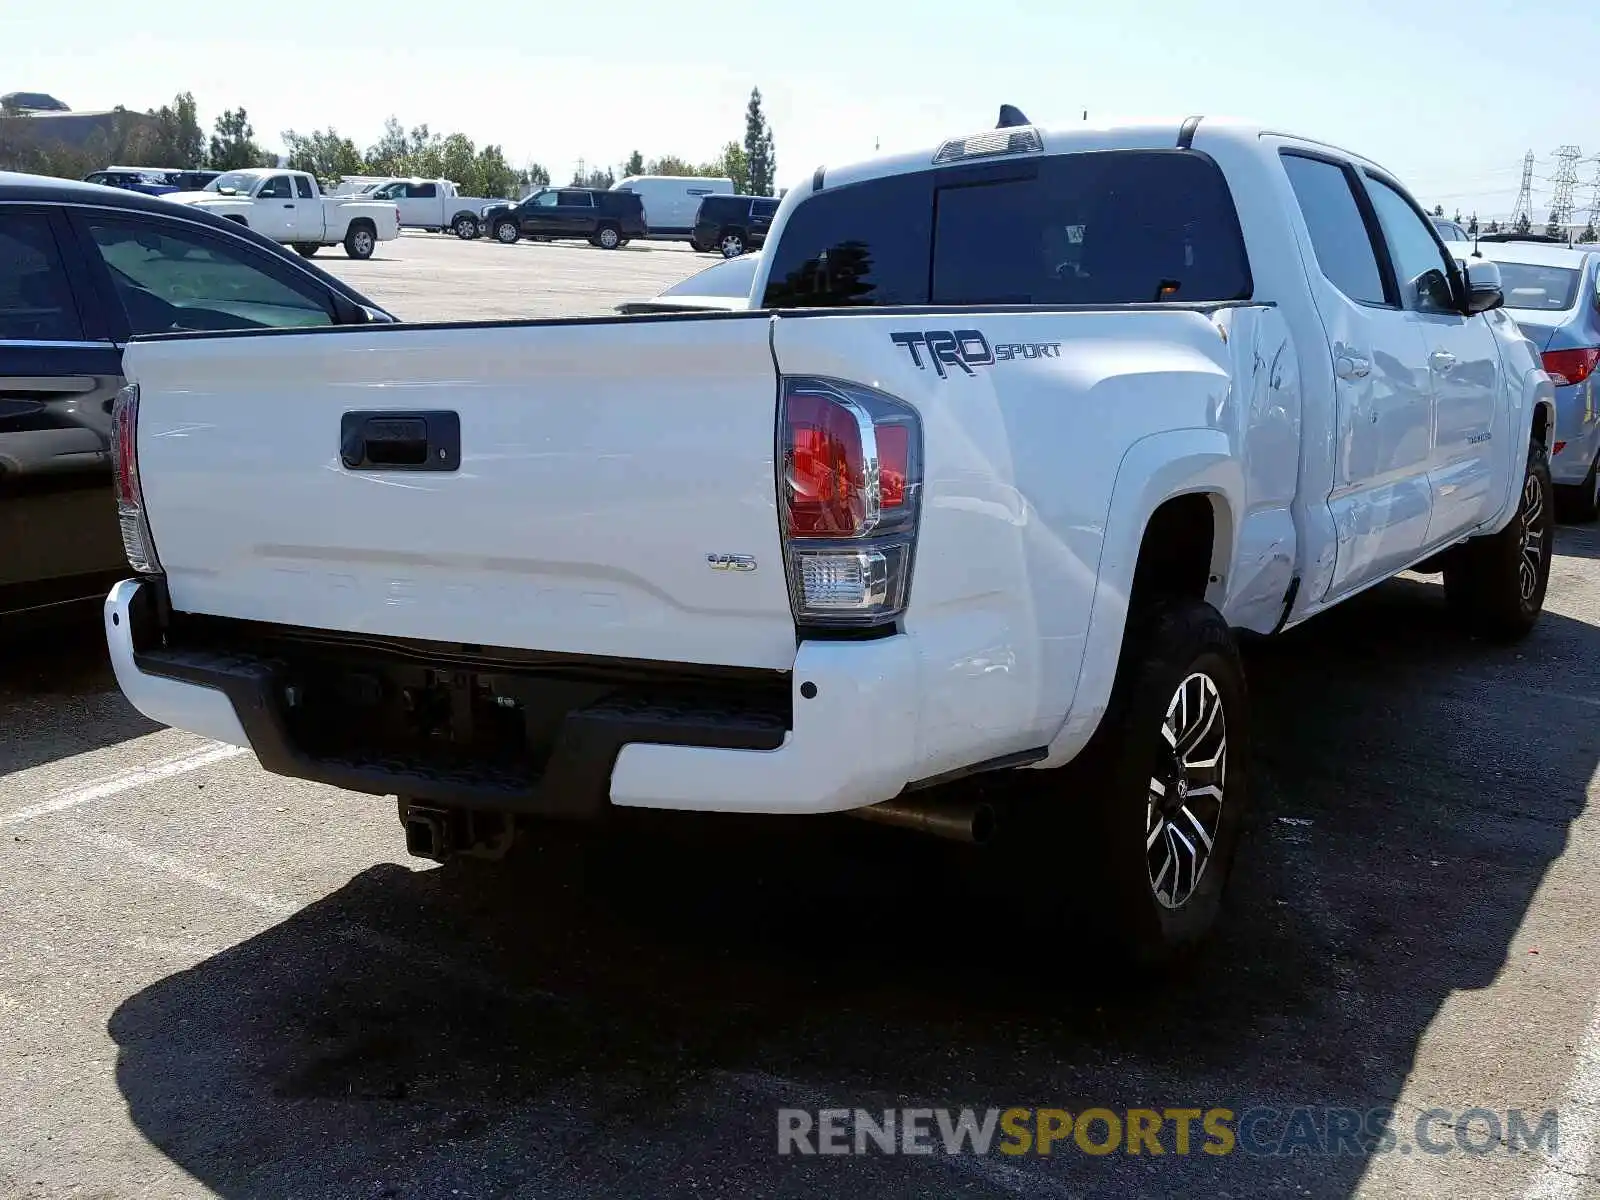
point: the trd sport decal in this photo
(966, 349)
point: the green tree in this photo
(669, 164)
(1493, 227)
(1589, 234)
(1552, 227)
(534, 175)
(458, 162)
(233, 143)
(634, 165)
(733, 165)
(1472, 225)
(1438, 210)
(1523, 223)
(760, 156)
(390, 154)
(493, 176)
(174, 137)
(599, 178)
(324, 154)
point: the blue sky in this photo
(1402, 81)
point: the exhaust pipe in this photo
(967, 821)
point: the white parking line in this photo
(123, 781)
(1568, 1173)
(278, 906)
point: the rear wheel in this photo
(466, 228)
(1496, 583)
(506, 232)
(306, 249)
(731, 243)
(1152, 809)
(608, 237)
(360, 241)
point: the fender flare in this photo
(1155, 469)
(1535, 393)
(465, 212)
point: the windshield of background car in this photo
(237, 180)
(1541, 288)
(1111, 227)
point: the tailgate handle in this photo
(400, 441)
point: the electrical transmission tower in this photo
(1524, 205)
(1566, 181)
(1594, 195)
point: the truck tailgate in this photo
(603, 469)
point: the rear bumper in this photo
(1578, 427)
(850, 741)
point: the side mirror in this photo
(1485, 290)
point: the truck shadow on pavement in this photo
(58, 696)
(627, 1021)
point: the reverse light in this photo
(1567, 367)
(136, 541)
(850, 484)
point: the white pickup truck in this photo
(1016, 437)
(432, 204)
(290, 207)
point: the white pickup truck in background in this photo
(289, 207)
(432, 204)
(1014, 438)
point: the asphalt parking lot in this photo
(215, 982)
(432, 277)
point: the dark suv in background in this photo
(732, 224)
(602, 218)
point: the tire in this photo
(466, 228)
(506, 232)
(608, 237)
(731, 243)
(1137, 820)
(307, 249)
(1495, 584)
(1582, 503)
(360, 240)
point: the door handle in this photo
(400, 441)
(288, 206)
(1349, 366)
(1442, 360)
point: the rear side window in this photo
(1109, 228)
(303, 186)
(763, 208)
(36, 304)
(575, 200)
(1338, 231)
(862, 244)
(1116, 227)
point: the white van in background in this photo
(671, 201)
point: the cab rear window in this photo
(1111, 227)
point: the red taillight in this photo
(827, 497)
(894, 464)
(850, 484)
(136, 540)
(1570, 366)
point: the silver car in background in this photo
(1553, 293)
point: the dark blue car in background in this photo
(152, 181)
